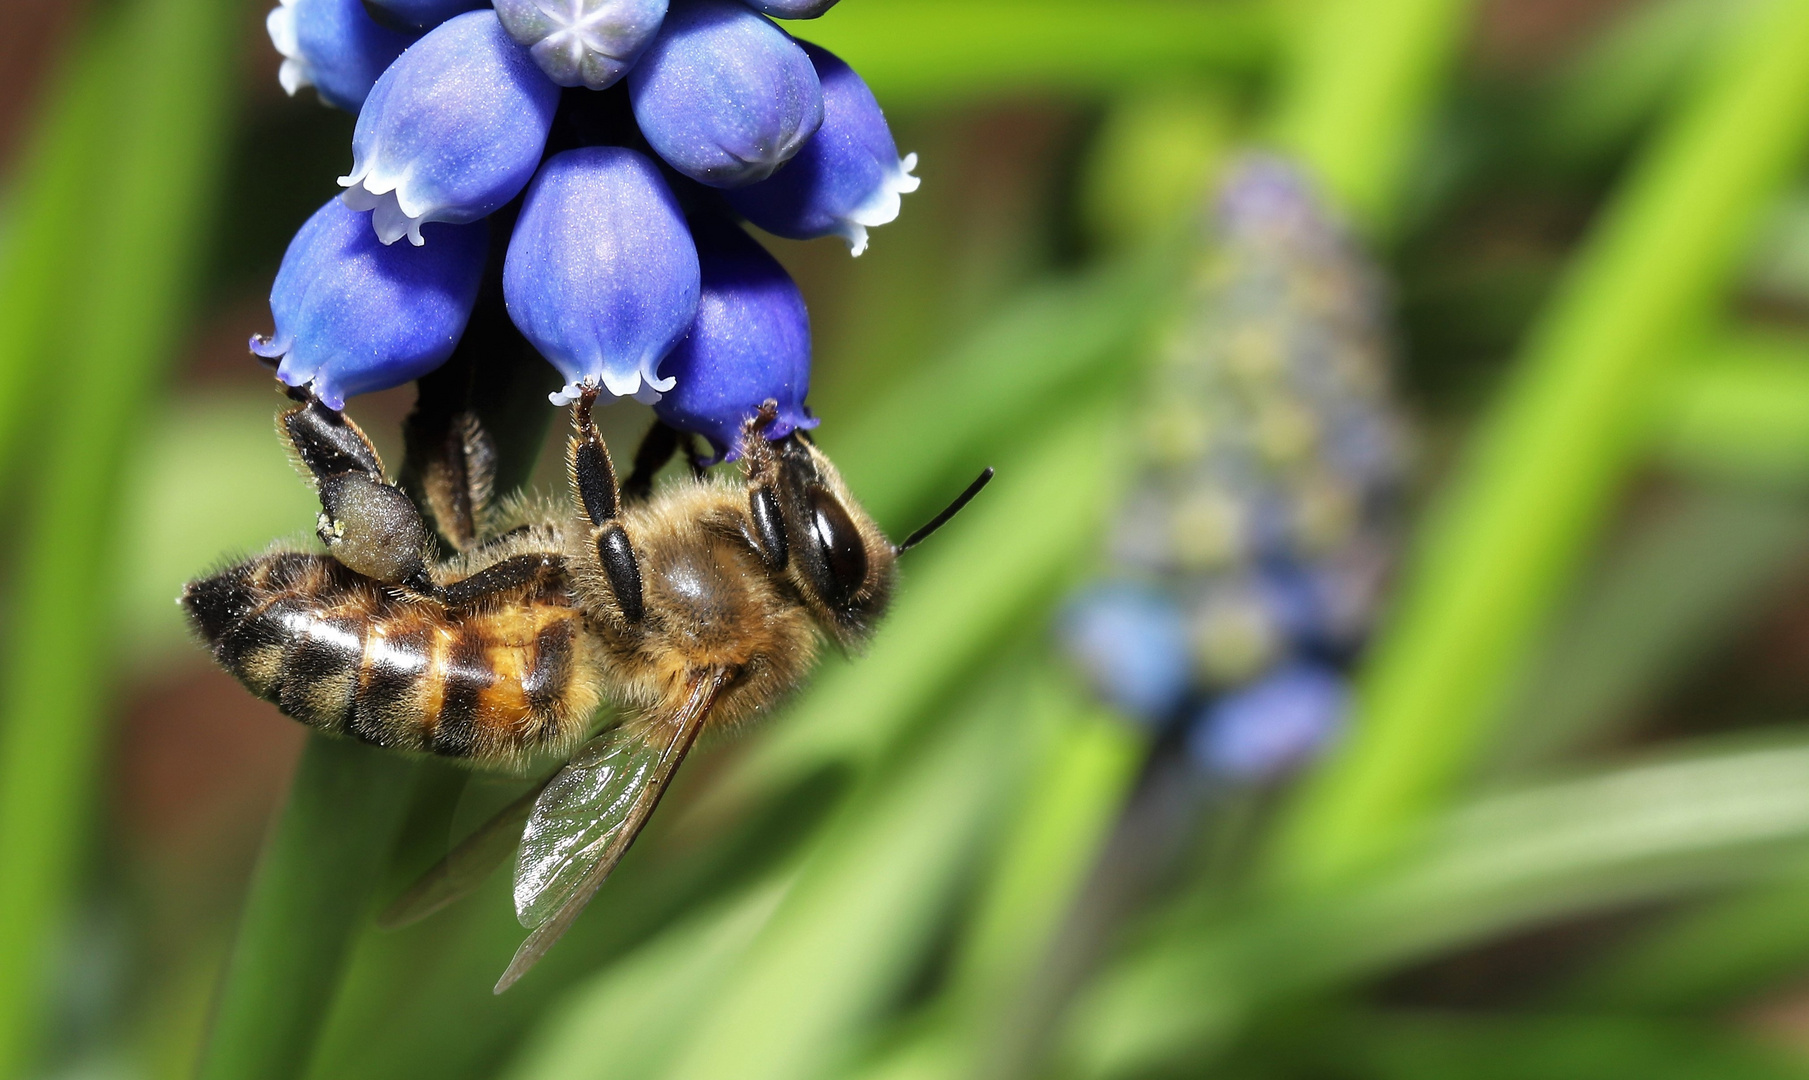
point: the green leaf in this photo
(1428, 1045)
(632, 1020)
(925, 52)
(1360, 91)
(311, 891)
(1673, 828)
(1741, 412)
(1699, 566)
(163, 72)
(1541, 474)
(866, 901)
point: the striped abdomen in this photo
(332, 650)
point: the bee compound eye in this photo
(839, 542)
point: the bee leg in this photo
(657, 448)
(368, 524)
(593, 479)
(458, 478)
(762, 468)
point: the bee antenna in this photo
(949, 511)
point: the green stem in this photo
(312, 889)
(111, 325)
(1541, 476)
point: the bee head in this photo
(840, 561)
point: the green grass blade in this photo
(148, 211)
(866, 901)
(1361, 87)
(1544, 469)
(1742, 412)
(1678, 827)
(1699, 568)
(632, 1020)
(311, 891)
(49, 209)
(1428, 1045)
(1708, 958)
(925, 52)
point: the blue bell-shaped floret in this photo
(749, 344)
(353, 315)
(333, 46)
(588, 43)
(453, 130)
(843, 182)
(792, 9)
(723, 95)
(1274, 725)
(423, 14)
(601, 273)
(1131, 641)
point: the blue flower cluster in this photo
(1251, 553)
(619, 144)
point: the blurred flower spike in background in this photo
(601, 272)
(1260, 525)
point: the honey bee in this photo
(696, 606)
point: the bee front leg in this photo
(599, 498)
(762, 468)
(368, 524)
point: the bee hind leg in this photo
(599, 498)
(368, 524)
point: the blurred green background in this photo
(1567, 839)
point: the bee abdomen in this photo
(335, 653)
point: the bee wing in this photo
(465, 867)
(589, 813)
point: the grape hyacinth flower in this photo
(601, 273)
(749, 344)
(723, 95)
(846, 180)
(353, 315)
(792, 9)
(1131, 643)
(424, 14)
(1280, 722)
(452, 131)
(333, 46)
(590, 43)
